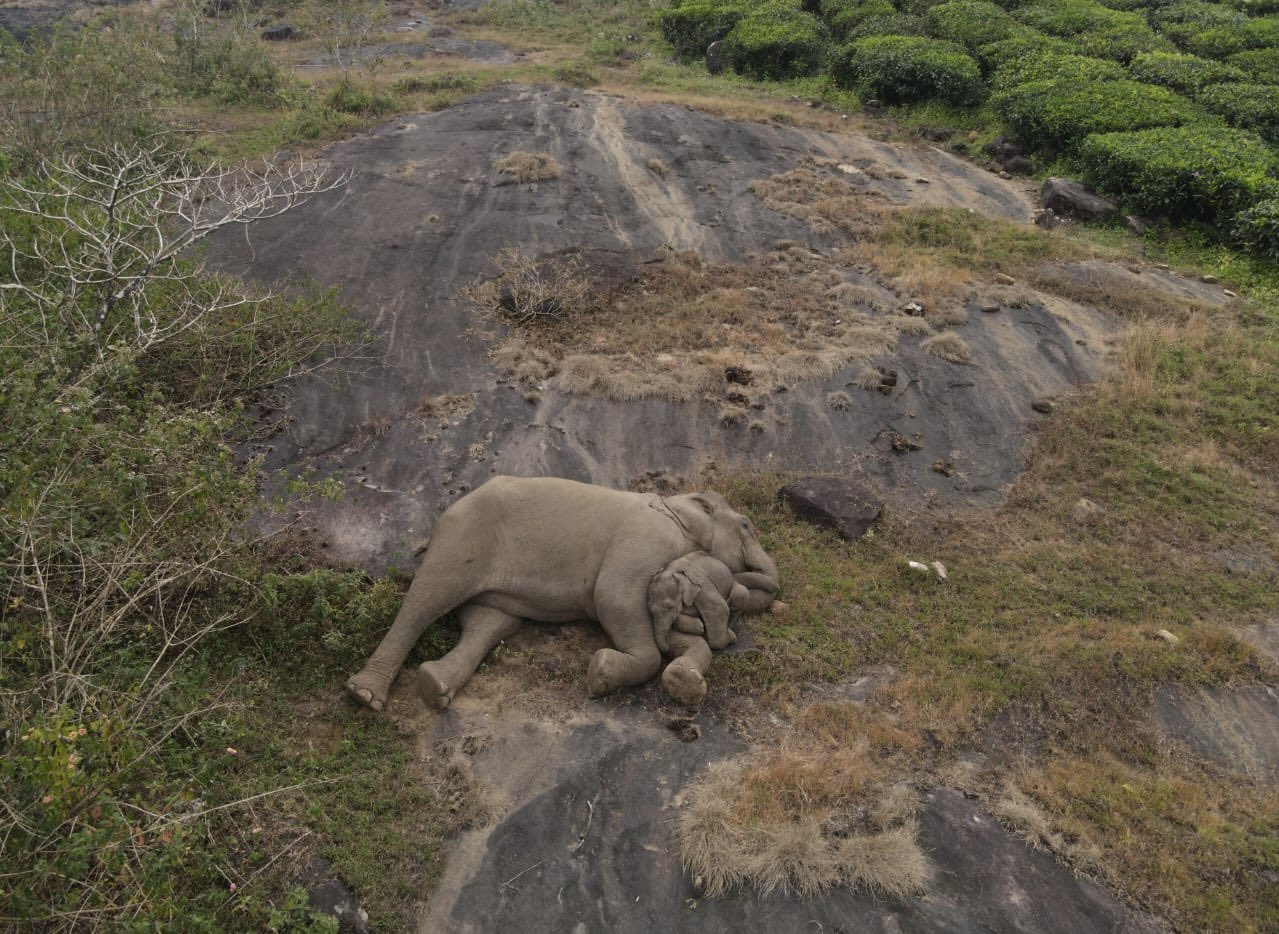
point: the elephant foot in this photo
(434, 691)
(603, 675)
(683, 684)
(366, 692)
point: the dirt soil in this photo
(425, 214)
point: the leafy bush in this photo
(1258, 228)
(776, 40)
(233, 68)
(1187, 172)
(1184, 73)
(900, 69)
(1223, 41)
(1056, 66)
(1247, 106)
(1059, 114)
(1026, 43)
(1261, 64)
(1122, 41)
(692, 25)
(1183, 20)
(842, 16)
(893, 24)
(1072, 17)
(434, 84)
(971, 23)
(350, 96)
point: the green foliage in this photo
(1260, 64)
(692, 25)
(231, 67)
(1189, 172)
(844, 16)
(1247, 106)
(1058, 66)
(891, 24)
(1057, 115)
(1184, 73)
(1027, 43)
(576, 74)
(1072, 17)
(1185, 19)
(434, 84)
(903, 69)
(776, 40)
(971, 23)
(1223, 41)
(1121, 42)
(358, 98)
(1258, 228)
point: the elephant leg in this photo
(443, 582)
(482, 628)
(635, 658)
(683, 679)
(714, 612)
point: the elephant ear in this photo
(695, 513)
(689, 587)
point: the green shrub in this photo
(1184, 73)
(233, 69)
(776, 40)
(1261, 64)
(1247, 106)
(358, 98)
(575, 74)
(693, 25)
(1025, 43)
(842, 16)
(1057, 115)
(1071, 17)
(901, 69)
(893, 24)
(433, 84)
(1121, 42)
(1055, 66)
(1187, 172)
(971, 23)
(1224, 41)
(1258, 228)
(1256, 7)
(1183, 20)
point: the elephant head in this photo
(731, 537)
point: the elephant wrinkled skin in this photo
(700, 589)
(553, 550)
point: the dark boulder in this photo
(278, 33)
(1069, 198)
(1019, 165)
(833, 502)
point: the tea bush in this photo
(892, 24)
(776, 40)
(1210, 173)
(1057, 115)
(1122, 41)
(1055, 66)
(1184, 73)
(1247, 106)
(692, 25)
(1182, 20)
(970, 23)
(1258, 228)
(1025, 43)
(842, 16)
(1260, 64)
(900, 69)
(1224, 41)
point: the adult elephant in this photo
(552, 551)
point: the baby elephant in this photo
(696, 585)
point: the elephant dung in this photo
(833, 502)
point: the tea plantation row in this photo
(1173, 107)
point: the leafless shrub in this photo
(839, 401)
(523, 167)
(948, 346)
(527, 291)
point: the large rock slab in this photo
(424, 216)
(1235, 727)
(1069, 198)
(833, 502)
(587, 845)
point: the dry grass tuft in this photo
(1024, 817)
(523, 167)
(948, 346)
(783, 822)
(657, 167)
(445, 406)
(911, 326)
(1114, 289)
(839, 401)
(822, 199)
(524, 362)
(868, 378)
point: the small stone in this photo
(1167, 636)
(919, 567)
(1210, 279)
(715, 57)
(778, 608)
(1136, 225)
(901, 444)
(278, 33)
(1004, 279)
(1085, 511)
(945, 468)
(922, 181)
(1042, 406)
(1163, 266)
(1005, 174)
(973, 135)
(940, 570)
(833, 502)
(990, 307)
(1229, 294)
(914, 309)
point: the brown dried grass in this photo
(523, 167)
(948, 346)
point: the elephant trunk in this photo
(760, 578)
